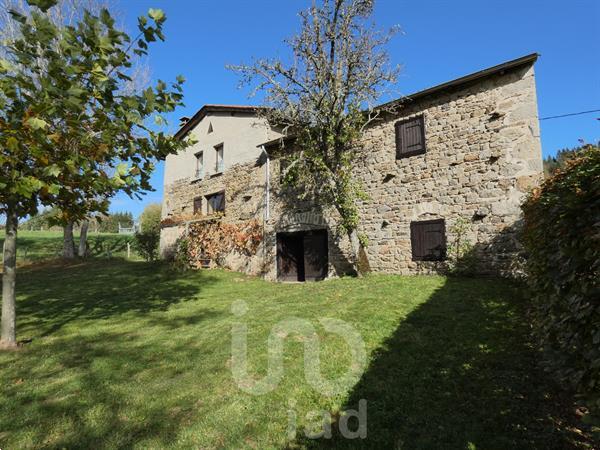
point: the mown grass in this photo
(130, 355)
(35, 246)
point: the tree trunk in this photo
(354, 251)
(82, 251)
(9, 276)
(68, 242)
(359, 259)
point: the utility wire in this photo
(571, 114)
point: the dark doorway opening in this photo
(302, 255)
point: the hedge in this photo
(561, 235)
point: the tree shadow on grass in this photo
(458, 373)
(99, 289)
(124, 377)
(108, 390)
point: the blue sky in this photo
(441, 40)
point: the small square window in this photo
(198, 205)
(428, 240)
(410, 137)
(215, 203)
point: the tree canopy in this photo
(69, 135)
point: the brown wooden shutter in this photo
(410, 137)
(428, 240)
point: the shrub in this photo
(461, 255)
(562, 237)
(146, 243)
(181, 256)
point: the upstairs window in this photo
(410, 137)
(198, 205)
(200, 165)
(215, 203)
(428, 240)
(219, 159)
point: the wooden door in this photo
(315, 255)
(290, 258)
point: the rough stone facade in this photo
(482, 155)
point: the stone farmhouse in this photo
(465, 151)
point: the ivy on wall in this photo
(212, 240)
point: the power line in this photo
(571, 114)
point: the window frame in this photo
(398, 137)
(198, 203)
(417, 223)
(199, 170)
(209, 197)
(219, 148)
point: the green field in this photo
(131, 355)
(34, 246)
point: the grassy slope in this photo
(41, 245)
(126, 354)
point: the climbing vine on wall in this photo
(212, 240)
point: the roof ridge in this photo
(507, 65)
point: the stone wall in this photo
(244, 187)
(483, 154)
(245, 199)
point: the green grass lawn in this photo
(33, 246)
(131, 355)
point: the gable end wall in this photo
(483, 155)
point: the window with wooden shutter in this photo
(410, 137)
(428, 240)
(198, 205)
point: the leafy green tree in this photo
(69, 137)
(323, 98)
(64, 13)
(150, 218)
(559, 161)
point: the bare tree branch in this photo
(325, 97)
